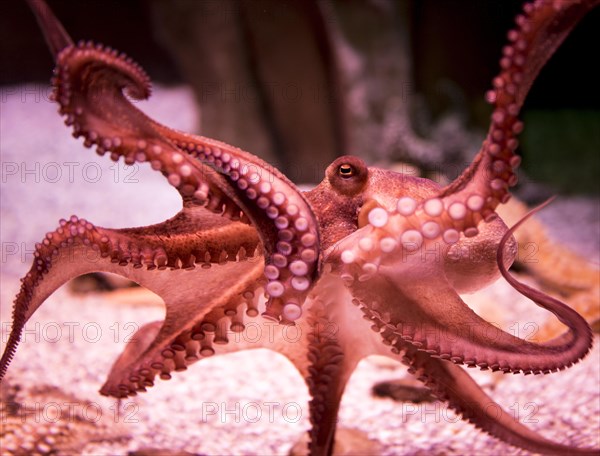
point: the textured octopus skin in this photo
(347, 262)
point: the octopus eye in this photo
(346, 170)
(347, 175)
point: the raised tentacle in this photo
(455, 386)
(56, 36)
(160, 257)
(89, 83)
(484, 184)
(290, 230)
(459, 208)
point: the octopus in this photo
(368, 262)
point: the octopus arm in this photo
(539, 31)
(162, 257)
(198, 324)
(410, 300)
(92, 84)
(455, 386)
